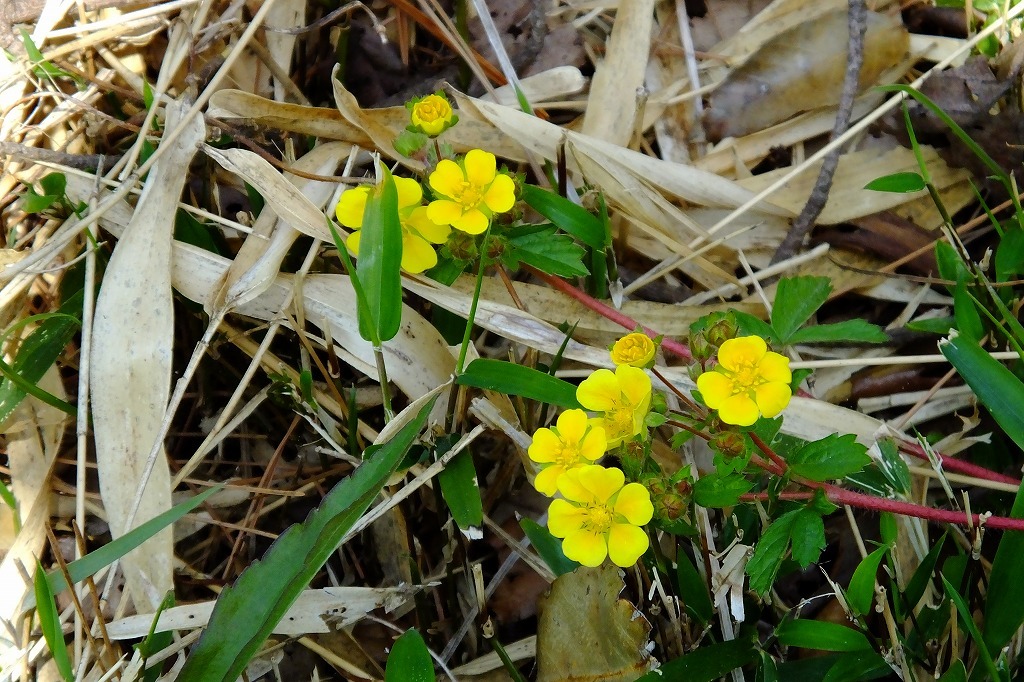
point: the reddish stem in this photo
(680, 349)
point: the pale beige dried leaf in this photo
(551, 84)
(282, 196)
(133, 335)
(612, 105)
(305, 120)
(281, 46)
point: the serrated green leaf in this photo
(1003, 612)
(409, 660)
(861, 592)
(859, 331)
(511, 379)
(749, 325)
(693, 589)
(796, 299)
(707, 663)
(379, 265)
(461, 492)
(831, 457)
(246, 612)
(555, 254)
(770, 551)
(907, 181)
(818, 635)
(808, 537)
(548, 547)
(568, 216)
(999, 390)
(408, 142)
(31, 202)
(49, 623)
(714, 490)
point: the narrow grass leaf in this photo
(923, 575)
(567, 216)
(966, 617)
(409, 660)
(707, 663)
(858, 666)
(693, 589)
(548, 547)
(861, 591)
(999, 390)
(379, 263)
(512, 379)
(907, 181)
(796, 299)
(818, 635)
(1003, 612)
(247, 611)
(49, 623)
(461, 492)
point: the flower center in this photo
(567, 455)
(618, 421)
(633, 350)
(431, 112)
(746, 378)
(599, 518)
(468, 194)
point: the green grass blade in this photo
(568, 216)
(511, 379)
(247, 612)
(379, 263)
(49, 622)
(1003, 612)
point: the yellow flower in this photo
(600, 516)
(432, 115)
(570, 444)
(623, 396)
(418, 231)
(470, 193)
(749, 381)
(635, 350)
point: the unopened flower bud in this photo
(721, 331)
(700, 348)
(729, 443)
(462, 245)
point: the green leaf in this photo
(1010, 254)
(904, 182)
(461, 492)
(968, 320)
(408, 142)
(409, 660)
(379, 264)
(749, 325)
(859, 331)
(861, 592)
(999, 390)
(808, 537)
(548, 547)
(818, 635)
(1003, 612)
(8, 498)
(94, 561)
(923, 575)
(246, 612)
(796, 299)
(933, 325)
(512, 379)
(951, 266)
(892, 466)
(967, 620)
(767, 671)
(706, 664)
(693, 589)
(831, 457)
(31, 202)
(955, 673)
(858, 666)
(713, 490)
(539, 246)
(568, 216)
(770, 551)
(49, 623)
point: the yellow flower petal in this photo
(601, 482)
(594, 444)
(546, 482)
(571, 488)
(501, 195)
(600, 391)
(410, 192)
(472, 221)
(745, 350)
(626, 544)
(772, 398)
(589, 549)
(353, 243)
(352, 205)
(544, 446)
(634, 504)
(447, 179)
(636, 350)
(738, 410)
(564, 518)
(715, 387)
(480, 167)
(635, 384)
(775, 367)
(419, 221)
(572, 425)
(444, 212)
(417, 254)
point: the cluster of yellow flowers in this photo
(468, 193)
(598, 514)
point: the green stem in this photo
(473, 304)
(510, 667)
(382, 372)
